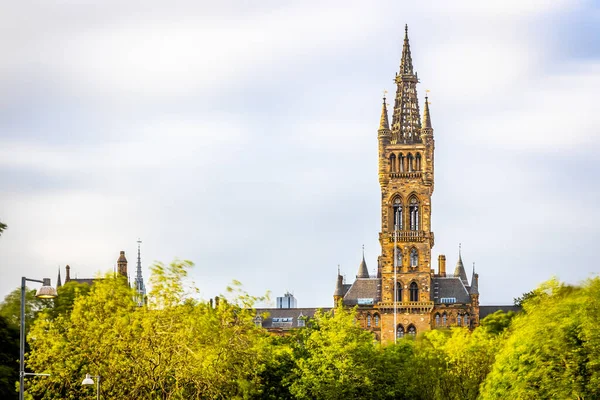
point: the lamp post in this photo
(45, 292)
(89, 381)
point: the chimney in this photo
(442, 265)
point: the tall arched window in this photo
(418, 162)
(399, 257)
(368, 320)
(413, 209)
(459, 320)
(392, 163)
(398, 291)
(444, 319)
(400, 331)
(466, 319)
(414, 258)
(397, 209)
(376, 318)
(401, 163)
(412, 331)
(410, 162)
(437, 319)
(414, 292)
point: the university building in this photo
(406, 296)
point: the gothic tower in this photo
(406, 180)
(122, 264)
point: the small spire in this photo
(363, 271)
(474, 289)
(426, 116)
(459, 271)
(58, 281)
(383, 121)
(339, 285)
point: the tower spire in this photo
(58, 281)
(459, 271)
(406, 121)
(140, 289)
(406, 66)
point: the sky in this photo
(243, 136)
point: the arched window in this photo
(368, 320)
(444, 319)
(437, 319)
(399, 257)
(398, 291)
(376, 318)
(401, 159)
(414, 258)
(466, 319)
(410, 162)
(392, 163)
(459, 320)
(413, 209)
(400, 331)
(418, 162)
(412, 331)
(414, 292)
(397, 208)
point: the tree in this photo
(554, 347)
(2, 227)
(10, 308)
(9, 356)
(334, 358)
(176, 347)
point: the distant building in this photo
(287, 301)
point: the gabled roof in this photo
(450, 287)
(362, 289)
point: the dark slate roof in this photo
(484, 311)
(275, 315)
(362, 289)
(448, 287)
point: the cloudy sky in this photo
(243, 136)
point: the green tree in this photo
(9, 356)
(2, 227)
(553, 348)
(334, 358)
(176, 348)
(10, 308)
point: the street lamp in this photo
(45, 292)
(89, 381)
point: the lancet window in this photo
(413, 209)
(414, 258)
(397, 209)
(414, 291)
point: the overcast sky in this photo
(243, 136)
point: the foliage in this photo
(10, 308)
(553, 349)
(9, 356)
(2, 227)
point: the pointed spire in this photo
(426, 116)
(474, 289)
(140, 289)
(339, 286)
(406, 66)
(363, 272)
(383, 121)
(406, 119)
(459, 271)
(58, 281)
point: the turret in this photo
(67, 273)
(122, 264)
(338, 294)
(383, 136)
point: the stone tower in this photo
(407, 296)
(406, 180)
